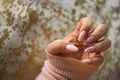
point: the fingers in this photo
(95, 60)
(99, 32)
(83, 28)
(58, 46)
(98, 47)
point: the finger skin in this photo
(100, 31)
(56, 46)
(84, 24)
(103, 45)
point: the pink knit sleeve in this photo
(65, 68)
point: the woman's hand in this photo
(83, 43)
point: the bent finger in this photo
(84, 24)
(83, 27)
(98, 33)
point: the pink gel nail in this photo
(81, 35)
(90, 49)
(71, 48)
(86, 61)
(89, 40)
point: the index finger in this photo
(83, 28)
(84, 24)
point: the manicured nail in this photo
(86, 61)
(81, 35)
(90, 49)
(89, 40)
(71, 48)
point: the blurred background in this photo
(27, 26)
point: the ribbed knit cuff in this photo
(71, 69)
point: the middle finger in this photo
(98, 33)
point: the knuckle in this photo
(86, 23)
(103, 28)
(86, 19)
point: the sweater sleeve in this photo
(65, 68)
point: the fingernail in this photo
(90, 49)
(86, 61)
(71, 48)
(82, 34)
(89, 40)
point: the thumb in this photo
(58, 46)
